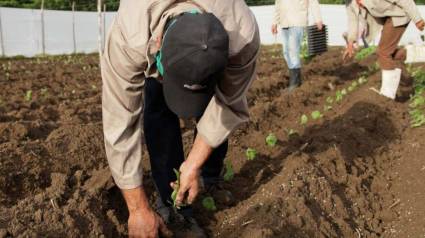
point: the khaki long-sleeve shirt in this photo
(291, 13)
(129, 59)
(400, 11)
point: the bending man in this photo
(192, 59)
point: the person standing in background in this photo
(292, 17)
(390, 18)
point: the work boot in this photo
(390, 82)
(294, 79)
(187, 227)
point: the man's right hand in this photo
(143, 222)
(420, 25)
(146, 224)
(349, 51)
(274, 29)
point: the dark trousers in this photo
(164, 143)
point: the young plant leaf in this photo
(176, 189)
(229, 174)
(271, 140)
(329, 100)
(316, 115)
(362, 80)
(290, 132)
(28, 96)
(250, 154)
(304, 119)
(338, 96)
(327, 108)
(344, 92)
(417, 101)
(209, 204)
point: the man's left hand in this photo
(190, 172)
(319, 25)
(189, 184)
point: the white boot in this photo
(390, 82)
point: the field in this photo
(356, 170)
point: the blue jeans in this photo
(292, 40)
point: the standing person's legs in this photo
(285, 45)
(387, 58)
(295, 40)
(296, 35)
(163, 138)
(387, 52)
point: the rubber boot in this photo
(294, 79)
(390, 82)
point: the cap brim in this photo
(186, 103)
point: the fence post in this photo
(43, 46)
(74, 40)
(99, 21)
(1, 37)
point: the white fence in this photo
(21, 34)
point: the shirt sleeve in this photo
(122, 77)
(315, 9)
(229, 107)
(353, 22)
(410, 8)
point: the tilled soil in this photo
(355, 172)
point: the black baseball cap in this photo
(194, 54)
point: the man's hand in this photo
(274, 29)
(189, 184)
(349, 51)
(319, 25)
(143, 222)
(190, 172)
(146, 224)
(420, 25)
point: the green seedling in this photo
(374, 67)
(271, 140)
(365, 52)
(209, 204)
(251, 154)
(316, 115)
(176, 188)
(351, 89)
(290, 132)
(344, 92)
(304, 119)
(93, 87)
(338, 96)
(327, 108)
(44, 92)
(417, 101)
(28, 96)
(329, 100)
(362, 80)
(229, 174)
(418, 118)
